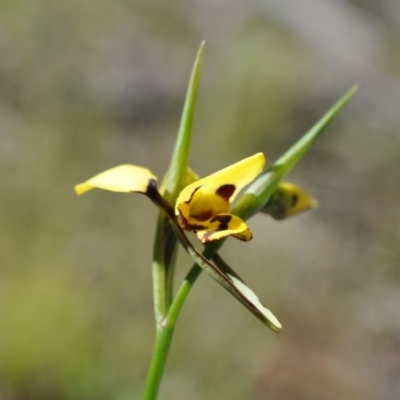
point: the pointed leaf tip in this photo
(179, 164)
(260, 310)
(260, 191)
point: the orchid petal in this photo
(223, 225)
(288, 200)
(214, 193)
(123, 178)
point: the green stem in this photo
(164, 334)
(170, 260)
(182, 294)
(162, 344)
(163, 258)
(159, 272)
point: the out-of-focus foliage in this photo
(86, 85)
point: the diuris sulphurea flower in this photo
(203, 206)
(288, 200)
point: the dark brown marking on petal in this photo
(226, 191)
(223, 221)
(191, 196)
(183, 223)
(203, 216)
(195, 227)
(221, 218)
(295, 199)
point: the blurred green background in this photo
(89, 84)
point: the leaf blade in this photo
(176, 174)
(259, 192)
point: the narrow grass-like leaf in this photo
(231, 282)
(259, 192)
(176, 174)
(267, 316)
(164, 250)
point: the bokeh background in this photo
(86, 85)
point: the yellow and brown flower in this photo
(203, 206)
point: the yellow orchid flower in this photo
(288, 200)
(202, 207)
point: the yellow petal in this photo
(123, 178)
(288, 200)
(219, 188)
(223, 225)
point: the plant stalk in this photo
(164, 334)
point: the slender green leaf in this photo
(164, 250)
(267, 316)
(176, 174)
(259, 192)
(231, 282)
